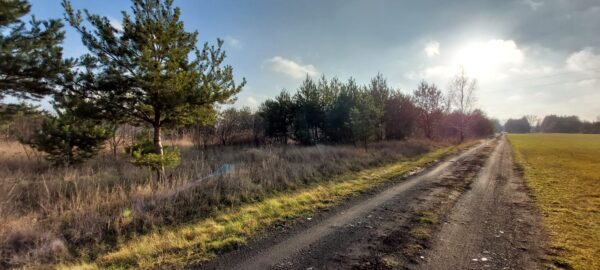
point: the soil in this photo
(471, 211)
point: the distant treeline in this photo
(331, 111)
(552, 124)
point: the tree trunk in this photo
(114, 148)
(115, 143)
(462, 128)
(160, 172)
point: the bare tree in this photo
(119, 137)
(234, 125)
(533, 120)
(462, 98)
(203, 135)
(226, 125)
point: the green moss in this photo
(227, 244)
(428, 218)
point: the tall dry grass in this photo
(56, 214)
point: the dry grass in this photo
(563, 172)
(177, 247)
(70, 214)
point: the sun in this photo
(486, 59)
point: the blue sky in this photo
(529, 56)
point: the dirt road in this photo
(468, 212)
(492, 226)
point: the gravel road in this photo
(470, 211)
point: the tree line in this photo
(331, 111)
(151, 73)
(552, 124)
(334, 112)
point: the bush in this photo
(68, 139)
(144, 154)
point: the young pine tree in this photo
(163, 78)
(380, 93)
(338, 127)
(364, 117)
(69, 137)
(310, 115)
(278, 115)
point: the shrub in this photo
(144, 154)
(68, 139)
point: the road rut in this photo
(471, 206)
(493, 226)
(282, 253)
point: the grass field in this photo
(563, 171)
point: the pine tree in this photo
(67, 137)
(364, 118)
(309, 116)
(380, 92)
(278, 115)
(338, 127)
(30, 55)
(152, 70)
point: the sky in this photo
(530, 57)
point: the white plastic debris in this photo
(484, 259)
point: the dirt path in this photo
(492, 226)
(393, 227)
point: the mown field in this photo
(563, 172)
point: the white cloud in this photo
(252, 101)
(534, 5)
(514, 98)
(585, 61)
(432, 49)
(438, 72)
(233, 42)
(411, 75)
(291, 68)
(588, 83)
(115, 24)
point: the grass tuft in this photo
(428, 217)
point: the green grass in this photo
(177, 247)
(563, 171)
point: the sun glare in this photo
(485, 59)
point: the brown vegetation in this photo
(53, 213)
